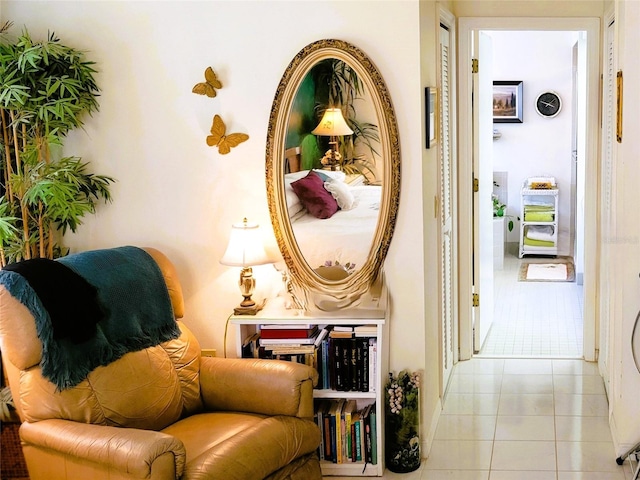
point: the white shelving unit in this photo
(549, 198)
(247, 325)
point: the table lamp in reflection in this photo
(332, 125)
(245, 249)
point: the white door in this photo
(482, 204)
(447, 174)
(607, 223)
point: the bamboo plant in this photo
(46, 89)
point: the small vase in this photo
(402, 431)
(402, 457)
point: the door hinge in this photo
(474, 65)
(476, 300)
(476, 185)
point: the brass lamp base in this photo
(249, 309)
(252, 310)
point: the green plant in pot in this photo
(46, 89)
(500, 210)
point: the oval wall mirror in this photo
(333, 172)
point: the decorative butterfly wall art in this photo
(219, 138)
(208, 87)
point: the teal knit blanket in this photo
(133, 296)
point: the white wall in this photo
(179, 195)
(538, 146)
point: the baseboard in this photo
(427, 442)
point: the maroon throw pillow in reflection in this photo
(314, 196)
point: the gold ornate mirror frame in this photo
(319, 291)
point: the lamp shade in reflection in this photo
(332, 124)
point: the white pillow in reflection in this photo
(342, 193)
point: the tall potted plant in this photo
(338, 84)
(46, 89)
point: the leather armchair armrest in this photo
(128, 450)
(268, 387)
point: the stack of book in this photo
(348, 433)
(291, 342)
(347, 359)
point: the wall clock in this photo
(548, 104)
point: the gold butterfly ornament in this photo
(208, 87)
(220, 139)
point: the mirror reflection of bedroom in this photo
(538, 188)
(333, 181)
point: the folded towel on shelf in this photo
(538, 217)
(538, 243)
(538, 232)
(541, 207)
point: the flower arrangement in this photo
(349, 266)
(402, 432)
(331, 159)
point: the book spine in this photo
(343, 383)
(337, 435)
(373, 362)
(359, 440)
(320, 423)
(353, 348)
(343, 437)
(364, 373)
(367, 436)
(331, 357)
(334, 443)
(284, 333)
(326, 370)
(326, 432)
(337, 364)
(348, 438)
(354, 441)
(374, 436)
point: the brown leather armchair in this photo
(163, 412)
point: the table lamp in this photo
(332, 125)
(245, 250)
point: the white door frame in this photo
(466, 25)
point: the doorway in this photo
(469, 317)
(535, 319)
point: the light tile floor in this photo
(522, 419)
(534, 319)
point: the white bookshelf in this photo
(274, 314)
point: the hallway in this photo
(523, 419)
(534, 319)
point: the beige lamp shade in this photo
(332, 124)
(245, 247)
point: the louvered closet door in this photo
(607, 226)
(446, 213)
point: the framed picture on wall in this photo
(507, 101)
(430, 99)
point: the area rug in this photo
(12, 463)
(561, 271)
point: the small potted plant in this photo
(500, 209)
